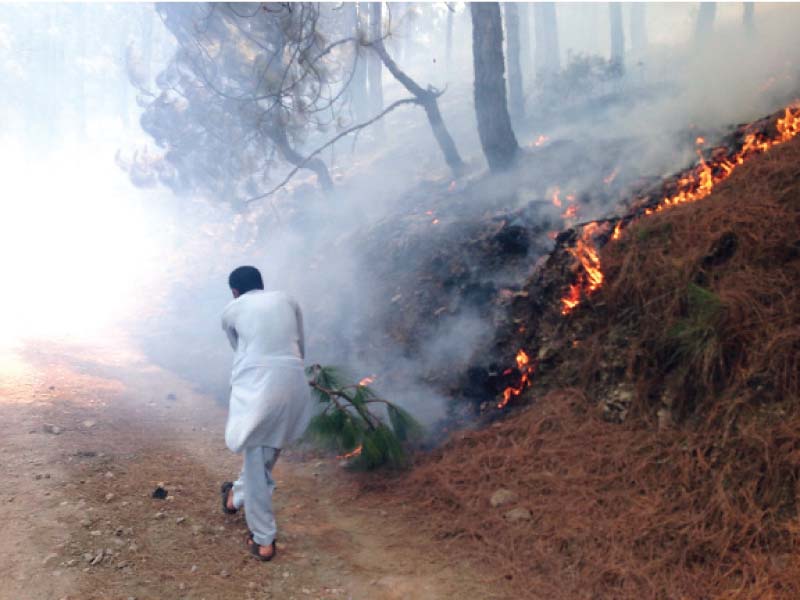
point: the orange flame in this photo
(355, 452)
(694, 186)
(700, 141)
(700, 183)
(524, 366)
(591, 277)
(367, 380)
(617, 235)
(570, 213)
(556, 199)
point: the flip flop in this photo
(223, 492)
(255, 550)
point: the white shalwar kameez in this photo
(270, 404)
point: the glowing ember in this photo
(435, 221)
(355, 452)
(700, 141)
(367, 380)
(571, 212)
(556, 199)
(526, 369)
(539, 141)
(608, 179)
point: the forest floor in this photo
(87, 433)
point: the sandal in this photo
(255, 549)
(224, 491)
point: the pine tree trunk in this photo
(374, 65)
(748, 17)
(494, 125)
(357, 89)
(639, 28)
(516, 100)
(548, 57)
(525, 41)
(617, 34)
(705, 22)
(449, 40)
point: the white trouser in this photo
(253, 490)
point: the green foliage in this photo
(694, 337)
(347, 424)
(646, 231)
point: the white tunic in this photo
(271, 404)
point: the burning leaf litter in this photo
(696, 185)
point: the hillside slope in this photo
(659, 458)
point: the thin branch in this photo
(332, 141)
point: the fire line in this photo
(694, 186)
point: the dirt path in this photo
(79, 521)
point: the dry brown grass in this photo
(707, 298)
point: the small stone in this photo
(119, 531)
(122, 564)
(86, 523)
(133, 547)
(502, 497)
(89, 423)
(88, 556)
(181, 586)
(109, 497)
(193, 569)
(665, 420)
(180, 520)
(109, 475)
(286, 574)
(50, 428)
(518, 514)
(72, 562)
(49, 559)
(95, 532)
(98, 557)
(159, 515)
(224, 573)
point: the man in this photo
(270, 403)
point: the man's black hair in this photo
(245, 279)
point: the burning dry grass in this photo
(705, 300)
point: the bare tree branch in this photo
(329, 143)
